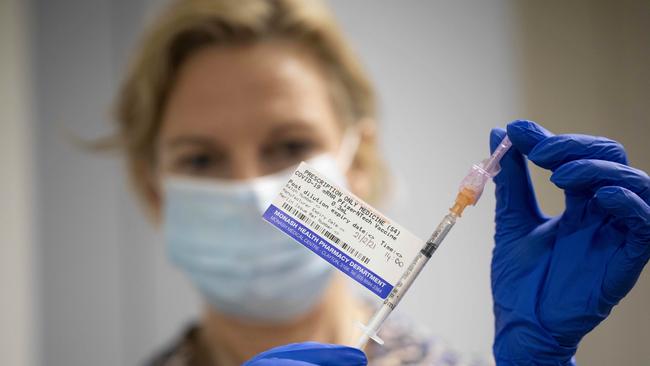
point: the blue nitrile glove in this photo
(309, 354)
(555, 279)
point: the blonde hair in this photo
(185, 26)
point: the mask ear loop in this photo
(348, 148)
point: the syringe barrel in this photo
(394, 297)
(420, 261)
(406, 280)
(439, 234)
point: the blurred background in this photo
(83, 275)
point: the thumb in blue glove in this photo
(309, 354)
(555, 279)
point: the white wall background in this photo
(447, 71)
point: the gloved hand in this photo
(309, 354)
(555, 279)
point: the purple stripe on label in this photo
(328, 251)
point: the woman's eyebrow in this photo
(180, 141)
(291, 126)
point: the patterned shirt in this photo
(404, 345)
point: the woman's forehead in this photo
(252, 87)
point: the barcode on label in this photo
(355, 253)
(316, 226)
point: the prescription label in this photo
(343, 230)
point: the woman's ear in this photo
(360, 173)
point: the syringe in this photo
(470, 190)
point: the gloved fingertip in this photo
(558, 178)
(608, 192)
(496, 135)
(546, 152)
(611, 197)
(598, 201)
(348, 356)
(312, 353)
(526, 134)
(574, 174)
(359, 357)
(627, 205)
(278, 361)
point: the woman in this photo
(223, 99)
(229, 91)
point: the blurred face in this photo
(239, 113)
(236, 114)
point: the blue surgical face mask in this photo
(243, 266)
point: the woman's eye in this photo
(296, 148)
(196, 163)
(293, 149)
(282, 154)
